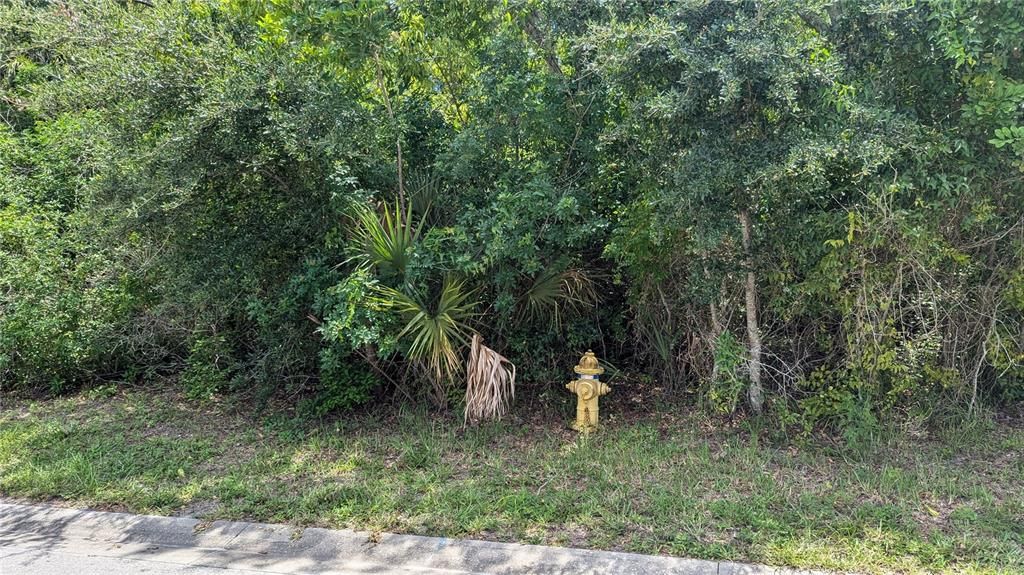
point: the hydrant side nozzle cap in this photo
(589, 365)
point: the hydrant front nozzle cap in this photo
(589, 365)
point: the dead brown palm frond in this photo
(490, 385)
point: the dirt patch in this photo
(199, 509)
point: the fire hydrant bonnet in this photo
(589, 365)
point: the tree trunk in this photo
(382, 86)
(755, 394)
(716, 332)
(401, 180)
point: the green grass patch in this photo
(674, 486)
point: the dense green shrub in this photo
(65, 299)
(881, 219)
(344, 383)
(325, 201)
(61, 313)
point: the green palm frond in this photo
(436, 331)
(554, 291)
(425, 190)
(386, 240)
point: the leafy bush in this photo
(813, 204)
(344, 384)
(65, 300)
(209, 368)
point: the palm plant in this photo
(437, 329)
(436, 324)
(555, 291)
(386, 240)
(425, 190)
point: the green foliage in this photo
(55, 322)
(871, 197)
(387, 241)
(555, 292)
(436, 327)
(353, 317)
(728, 383)
(274, 198)
(1011, 137)
(65, 300)
(344, 384)
(209, 368)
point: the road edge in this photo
(285, 549)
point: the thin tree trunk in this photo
(382, 86)
(753, 330)
(716, 332)
(401, 181)
(982, 356)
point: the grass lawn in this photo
(678, 485)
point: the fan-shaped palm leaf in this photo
(425, 190)
(436, 331)
(386, 240)
(554, 291)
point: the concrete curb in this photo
(289, 550)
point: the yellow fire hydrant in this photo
(587, 389)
